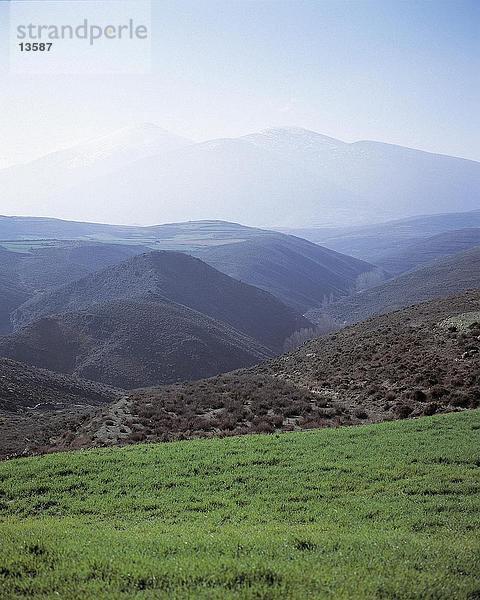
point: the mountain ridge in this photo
(255, 176)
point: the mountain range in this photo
(154, 176)
(91, 316)
(46, 253)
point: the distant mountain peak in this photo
(293, 139)
(291, 130)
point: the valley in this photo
(240, 300)
(300, 404)
(189, 343)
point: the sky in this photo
(404, 72)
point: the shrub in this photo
(403, 410)
(361, 414)
(419, 396)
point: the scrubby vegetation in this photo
(230, 404)
(35, 405)
(405, 363)
(382, 511)
(419, 361)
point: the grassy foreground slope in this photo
(380, 511)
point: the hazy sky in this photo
(405, 72)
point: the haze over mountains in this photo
(172, 304)
(282, 177)
(374, 242)
(426, 251)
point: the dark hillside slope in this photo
(299, 273)
(439, 279)
(12, 290)
(433, 248)
(25, 387)
(36, 405)
(11, 296)
(417, 361)
(134, 343)
(181, 279)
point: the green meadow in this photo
(379, 511)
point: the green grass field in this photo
(380, 511)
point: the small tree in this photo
(369, 279)
(324, 324)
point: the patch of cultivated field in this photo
(379, 511)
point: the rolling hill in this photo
(441, 278)
(47, 267)
(181, 279)
(373, 242)
(134, 343)
(169, 236)
(426, 251)
(299, 273)
(23, 274)
(417, 361)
